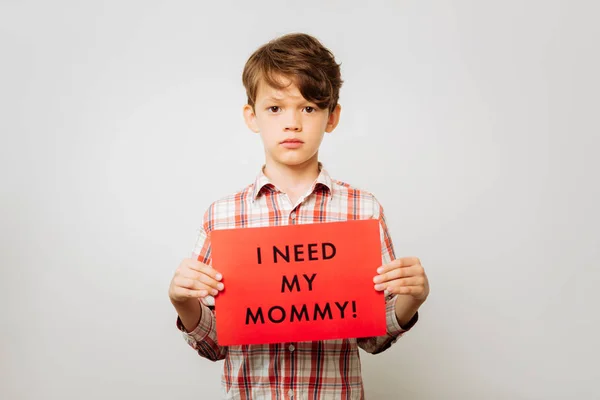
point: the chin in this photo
(293, 161)
(292, 157)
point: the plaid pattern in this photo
(327, 369)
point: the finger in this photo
(194, 284)
(203, 268)
(399, 263)
(412, 281)
(181, 292)
(398, 273)
(200, 277)
(389, 266)
(415, 291)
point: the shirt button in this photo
(293, 215)
(291, 393)
(292, 348)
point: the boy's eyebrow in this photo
(272, 98)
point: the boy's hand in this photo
(194, 280)
(403, 276)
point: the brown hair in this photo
(301, 58)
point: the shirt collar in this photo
(261, 181)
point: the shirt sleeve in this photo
(377, 344)
(203, 338)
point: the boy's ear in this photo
(333, 119)
(250, 118)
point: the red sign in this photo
(298, 282)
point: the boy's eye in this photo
(309, 109)
(274, 109)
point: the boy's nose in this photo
(293, 123)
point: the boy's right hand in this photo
(194, 279)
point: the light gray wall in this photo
(475, 123)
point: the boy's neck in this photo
(293, 180)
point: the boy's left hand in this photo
(403, 276)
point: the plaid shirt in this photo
(327, 369)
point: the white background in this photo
(475, 123)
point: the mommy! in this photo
(278, 314)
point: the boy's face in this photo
(290, 126)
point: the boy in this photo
(292, 85)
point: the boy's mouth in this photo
(292, 143)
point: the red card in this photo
(298, 282)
